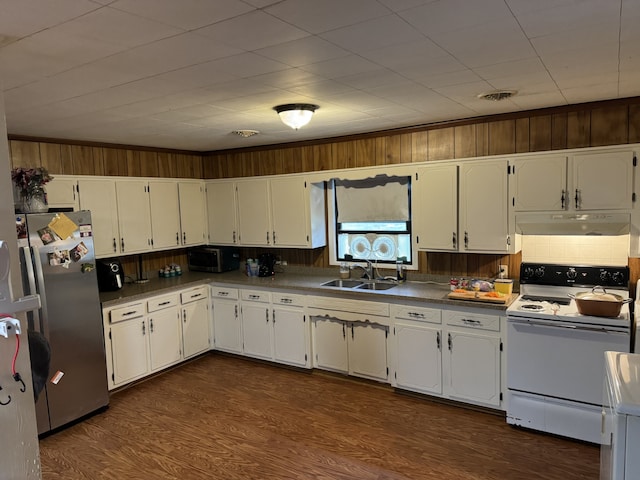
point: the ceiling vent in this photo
(246, 133)
(497, 95)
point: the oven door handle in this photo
(571, 327)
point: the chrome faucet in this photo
(368, 270)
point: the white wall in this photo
(19, 452)
(576, 249)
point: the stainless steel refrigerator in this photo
(58, 263)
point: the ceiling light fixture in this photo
(296, 115)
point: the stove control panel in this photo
(574, 275)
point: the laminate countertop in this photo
(307, 284)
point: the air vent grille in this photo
(497, 95)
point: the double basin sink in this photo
(359, 284)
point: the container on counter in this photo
(345, 271)
(503, 285)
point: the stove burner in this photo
(531, 308)
(536, 298)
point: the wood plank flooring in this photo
(222, 417)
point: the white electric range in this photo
(555, 355)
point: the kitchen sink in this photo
(342, 283)
(375, 286)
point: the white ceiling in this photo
(185, 73)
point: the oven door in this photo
(558, 359)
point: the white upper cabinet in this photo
(254, 220)
(99, 196)
(580, 182)
(134, 216)
(462, 207)
(484, 198)
(602, 181)
(165, 213)
(435, 208)
(222, 213)
(297, 213)
(539, 183)
(192, 212)
(62, 192)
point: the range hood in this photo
(573, 223)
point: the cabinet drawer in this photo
(472, 320)
(418, 314)
(127, 312)
(288, 299)
(224, 292)
(159, 303)
(194, 294)
(255, 296)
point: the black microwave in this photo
(213, 259)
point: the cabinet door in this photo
(134, 216)
(289, 212)
(195, 328)
(473, 366)
(483, 206)
(253, 212)
(368, 350)
(99, 196)
(165, 214)
(192, 213)
(227, 327)
(256, 330)
(290, 336)
(540, 183)
(603, 181)
(436, 208)
(164, 338)
(61, 192)
(129, 350)
(418, 357)
(330, 344)
(221, 212)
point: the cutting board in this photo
(482, 297)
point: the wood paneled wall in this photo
(596, 124)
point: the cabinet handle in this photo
(234, 236)
(177, 238)
(273, 316)
(438, 340)
(577, 199)
(115, 245)
(151, 325)
(450, 342)
(184, 238)
(144, 328)
(184, 316)
(466, 239)
(471, 321)
(266, 314)
(267, 238)
(223, 294)
(344, 330)
(352, 332)
(122, 243)
(254, 297)
(236, 311)
(196, 295)
(274, 237)
(455, 240)
(131, 312)
(286, 300)
(562, 198)
(416, 315)
(164, 303)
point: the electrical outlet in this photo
(503, 271)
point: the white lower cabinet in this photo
(455, 354)
(196, 337)
(291, 332)
(127, 352)
(417, 349)
(164, 331)
(227, 325)
(350, 336)
(472, 360)
(256, 324)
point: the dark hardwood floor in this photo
(222, 417)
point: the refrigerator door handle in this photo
(34, 315)
(39, 278)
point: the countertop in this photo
(623, 370)
(304, 283)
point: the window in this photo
(373, 219)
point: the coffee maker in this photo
(266, 264)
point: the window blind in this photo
(381, 198)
